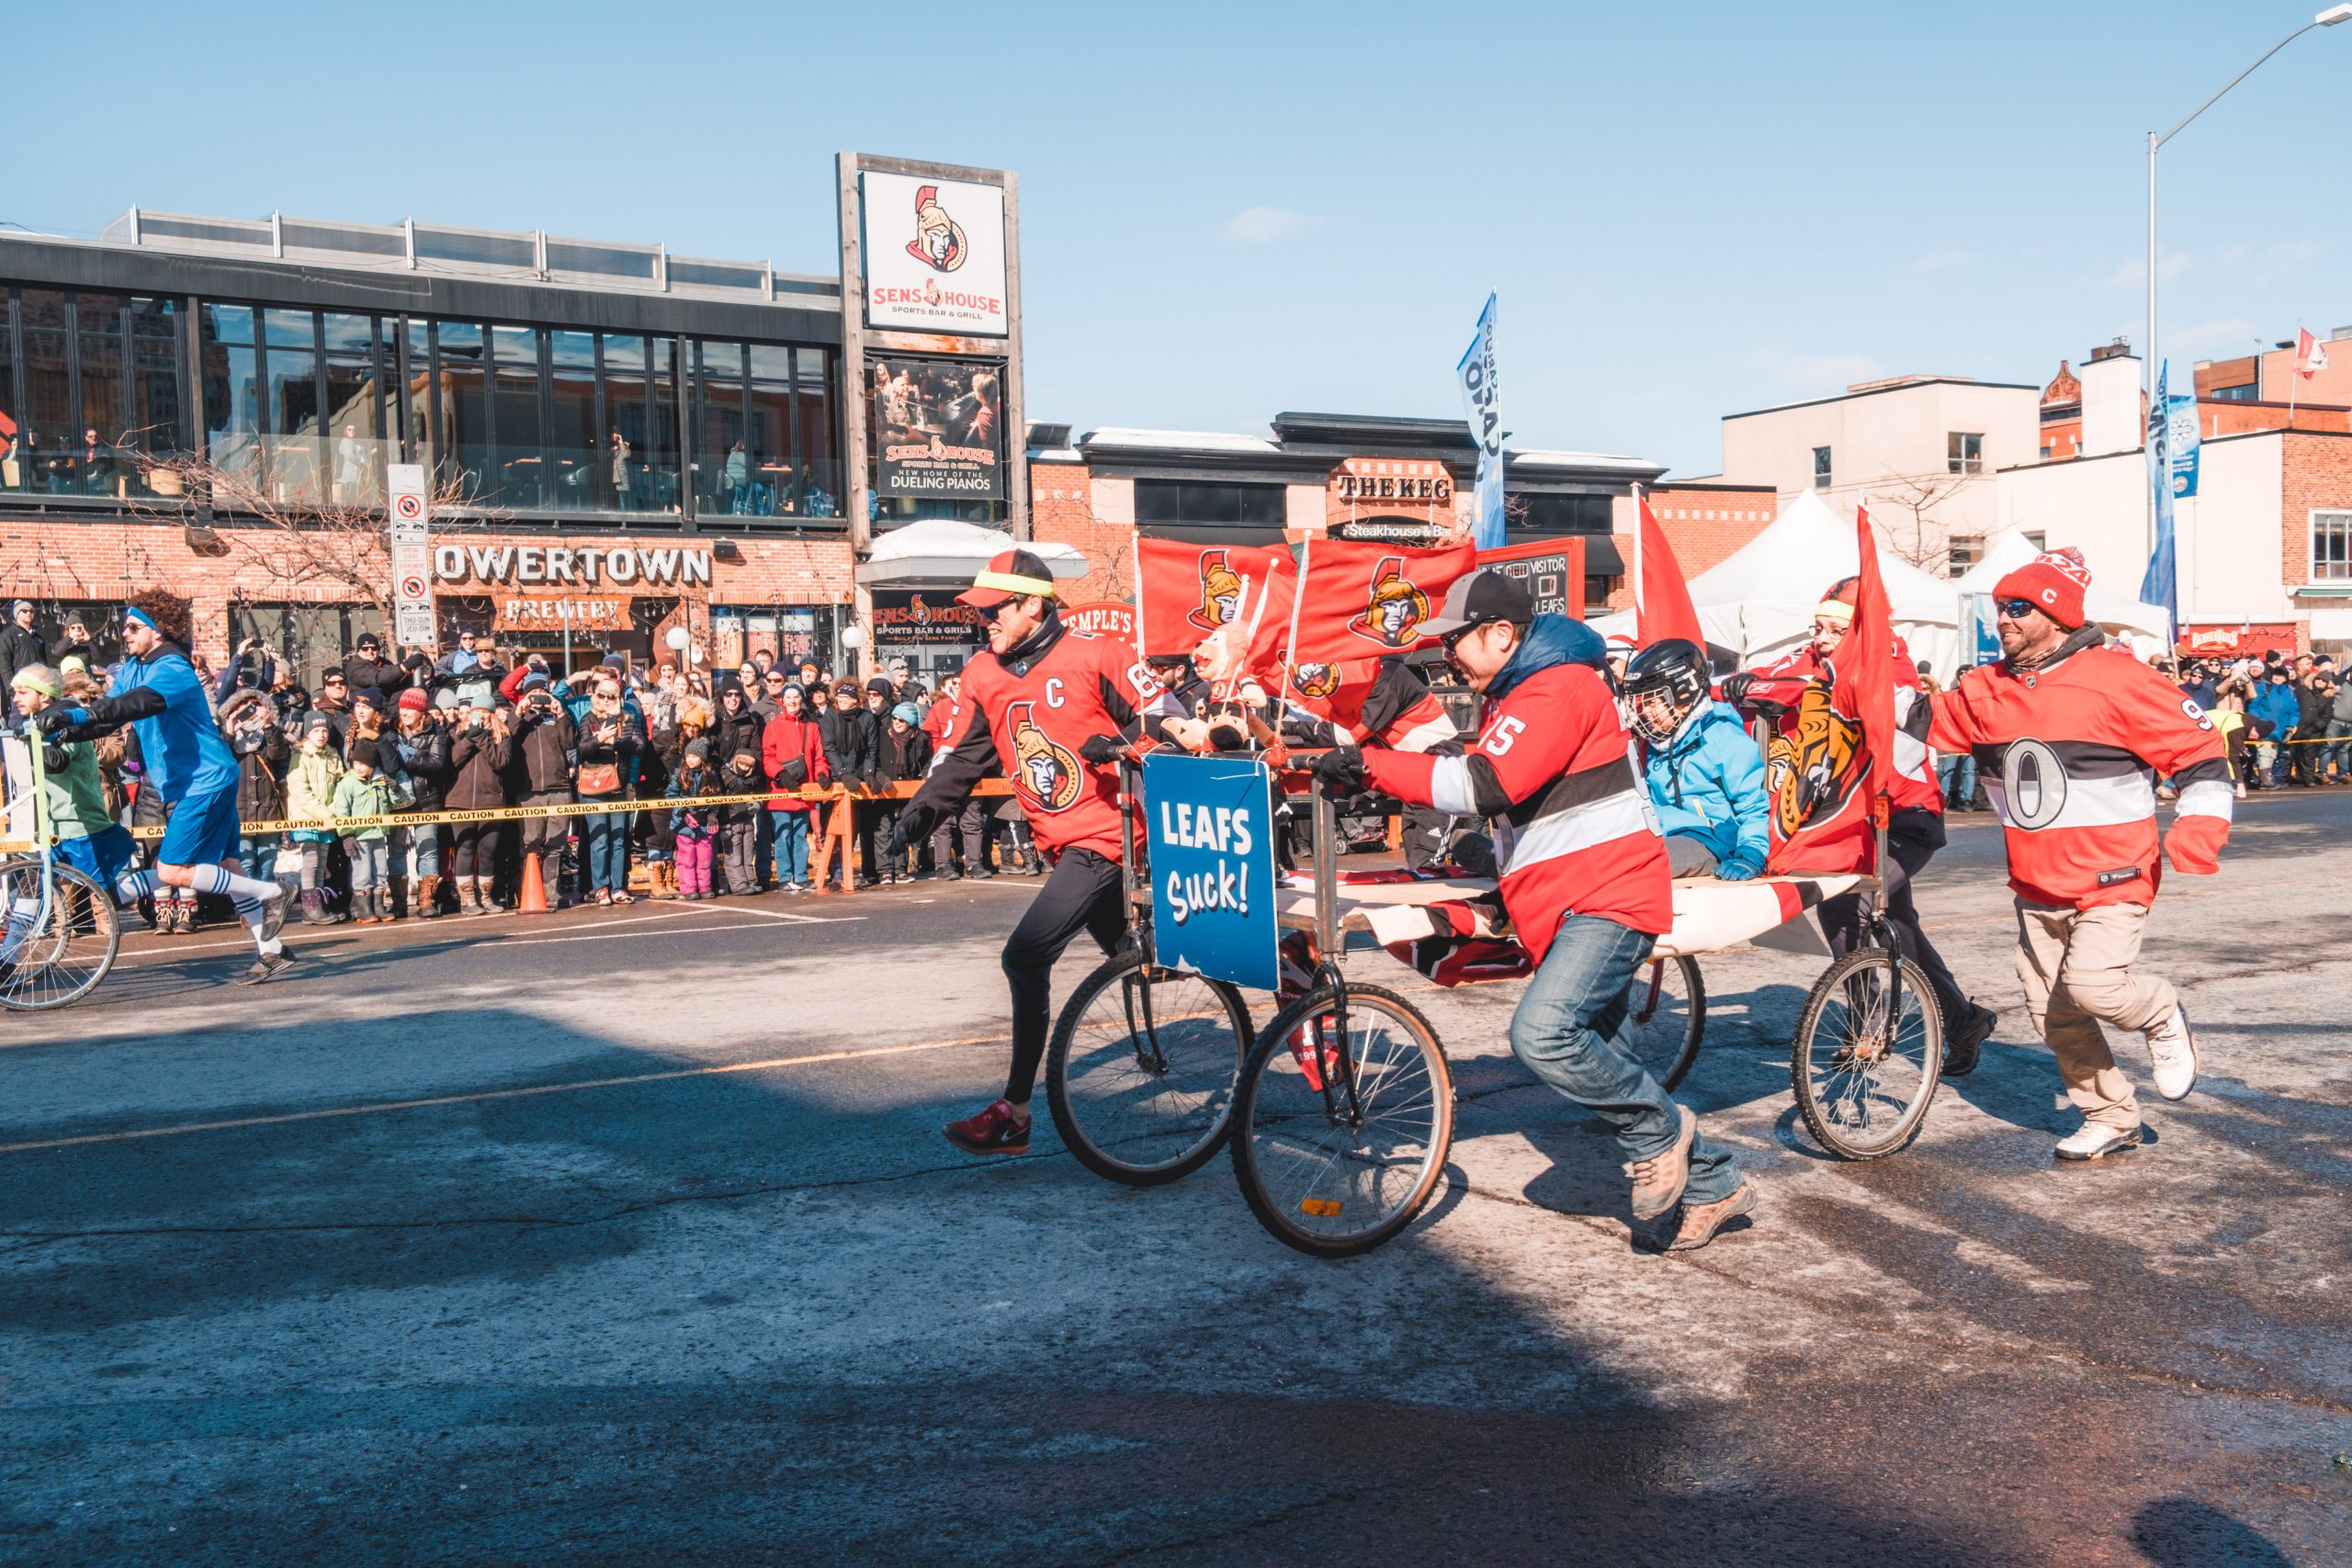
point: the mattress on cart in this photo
(1402, 907)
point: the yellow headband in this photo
(1013, 584)
(1831, 610)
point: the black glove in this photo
(1102, 750)
(1341, 770)
(911, 826)
(1735, 687)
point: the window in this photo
(2045, 454)
(310, 638)
(1963, 452)
(2332, 546)
(1558, 513)
(1183, 500)
(2242, 393)
(1821, 467)
(1966, 550)
(231, 390)
(2039, 541)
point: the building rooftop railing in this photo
(531, 255)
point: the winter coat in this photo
(311, 779)
(19, 648)
(425, 758)
(359, 672)
(621, 751)
(73, 793)
(479, 762)
(787, 740)
(543, 745)
(261, 757)
(1707, 780)
(906, 757)
(742, 732)
(853, 744)
(733, 780)
(2274, 711)
(356, 797)
(2313, 709)
(2340, 711)
(688, 820)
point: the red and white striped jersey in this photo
(1574, 831)
(2070, 753)
(1380, 701)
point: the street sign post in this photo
(411, 526)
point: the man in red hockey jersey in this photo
(2070, 737)
(1057, 707)
(1584, 879)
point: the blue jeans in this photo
(1962, 764)
(791, 845)
(607, 838)
(416, 852)
(1570, 1030)
(259, 857)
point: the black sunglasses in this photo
(1452, 639)
(2015, 609)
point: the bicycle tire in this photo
(1834, 1119)
(1082, 1081)
(1657, 1043)
(1273, 1094)
(56, 965)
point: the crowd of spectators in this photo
(2288, 718)
(480, 725)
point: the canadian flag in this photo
(2311, 355)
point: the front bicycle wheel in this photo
(55, 949)
(1665, 1017)
(1337, 1150)
(1864, 1072)
(1140, 1073)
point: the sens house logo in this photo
(939, 241)
(1220, 592)
(1314, 679)
(1396, 609)
(1046, 774)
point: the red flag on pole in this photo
(2311, 355)
(1185, 592)
(1865, 685)
(1662, 607)
(1829, 767)
(1360, 600)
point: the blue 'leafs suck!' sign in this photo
(1212, 839)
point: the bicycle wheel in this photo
(1667, 1017)
(1336, 1152)
(1141, 1069)
(62, 951)
(1863, 1080)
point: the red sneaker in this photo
(994, 1131)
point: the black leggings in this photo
(1082, 894)
(1912, 837)
(478, 845)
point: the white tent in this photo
(2144, 625)
(938, 549)
(1759, 602)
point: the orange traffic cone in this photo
(534, 889)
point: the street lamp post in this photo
(2326, 19)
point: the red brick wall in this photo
(1061, 512)
(70, 559)
(1705, 526)
(2317, 473)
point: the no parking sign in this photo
(1211, 840)
(411, 548)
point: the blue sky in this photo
(1690, 209)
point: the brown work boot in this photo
(1700, 1222)
(1659, 1180)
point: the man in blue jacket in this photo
(1705, 774)
(2276, 712)
(157, 692)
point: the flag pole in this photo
(1639, 532)
(1880, 798)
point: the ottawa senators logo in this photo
(1220, 592)
(1811, 768)
(1314, 679)
(939, 241)
(1046, 776)
(1396, 609)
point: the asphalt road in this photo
(628, 1236)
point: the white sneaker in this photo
(2096, 1140)
(2174, 1051)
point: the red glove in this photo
(2194, 845)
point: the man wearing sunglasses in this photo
(1584, 880)
(2071, 737)
(1056, 709)
(1915, 827)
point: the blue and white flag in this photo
(2162, 585)
(1482, 398)
(2184, 443)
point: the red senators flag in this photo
(1834, 759)
(1361, 600)
(1865, 685)
(1662, 607)
(1184, 592)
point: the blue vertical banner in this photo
(2182, 439)
(1212, 846)
(1980, 636)
(2162, 585)
(1482, 399)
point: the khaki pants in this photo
(2075, 965)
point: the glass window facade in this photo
(307, 406)
(1183, 500)
(1558, 513)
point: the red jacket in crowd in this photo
(2070, 752)
(787, 740)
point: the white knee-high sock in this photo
(221, 879)
(250, 911)
(134, 886)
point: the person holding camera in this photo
(609, 739)
(481, 750)
(544, 743)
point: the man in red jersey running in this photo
(2070, 737)
(1057, 708)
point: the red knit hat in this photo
(413, 698)
(2052, 582)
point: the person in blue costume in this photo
(157, 693)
